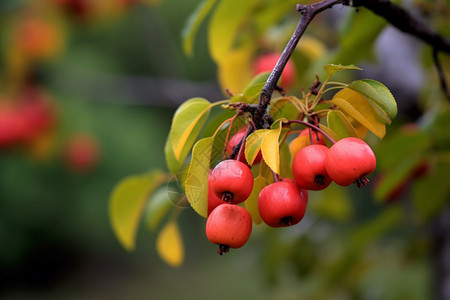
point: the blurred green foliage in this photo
(56, 238)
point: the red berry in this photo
(309, 168)
(304, 192)
(228, 226)
(266, 63)
(282, 203)
(232, 181)
(12, 126)
(316, 137)
(213, 200)
(37, 112)
(349, 161)
(234, 141)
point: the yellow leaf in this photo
(235, 69)
(187, 122)
(127, 204)
(170, 245)
(253, 144)
(311, 47)
(196, 184)
(225, 26)
(357, 106)
(270, 149)
(360, 130)
(251, 204)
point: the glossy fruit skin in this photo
(266, 63)
(282, 204)
(309, 168)
(303, 191)
(229, 225)
(232, 177)
(213, 200)
(348, 160)
(234, 141)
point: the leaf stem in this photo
(313, 127)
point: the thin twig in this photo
(441, 74)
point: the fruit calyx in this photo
(362, 181)
(287, 221)
(223, 249)
(227, 197)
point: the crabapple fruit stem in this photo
(313, 127)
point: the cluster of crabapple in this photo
(282, 203)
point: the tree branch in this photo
(308, 13)
(394, 14)
(404, 21)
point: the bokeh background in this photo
(99, 82)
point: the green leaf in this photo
(332, 203)
(366, 234)
(369, 232)
(357, 107)
(358, 38)
(159, 205)
(187, 123)
(253, 144)
(270, 149)
(284, 108)
(285, 161)
(169, 245)
(253, 90)
(340, 125)
(330, 133)
(172, 163)
(378, 94)
(332, 68)
(220, 139)
(399, 147)
(431, 193)
(395, 177)
(251, 204)
(127, 204)
(225, 26)
(195, 19)
(196, 185)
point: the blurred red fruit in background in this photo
(82, 153)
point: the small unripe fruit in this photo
(349, 161)
(232, 181)
(282, 203)
(229, 226)
(266, 63)
(309, 168)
